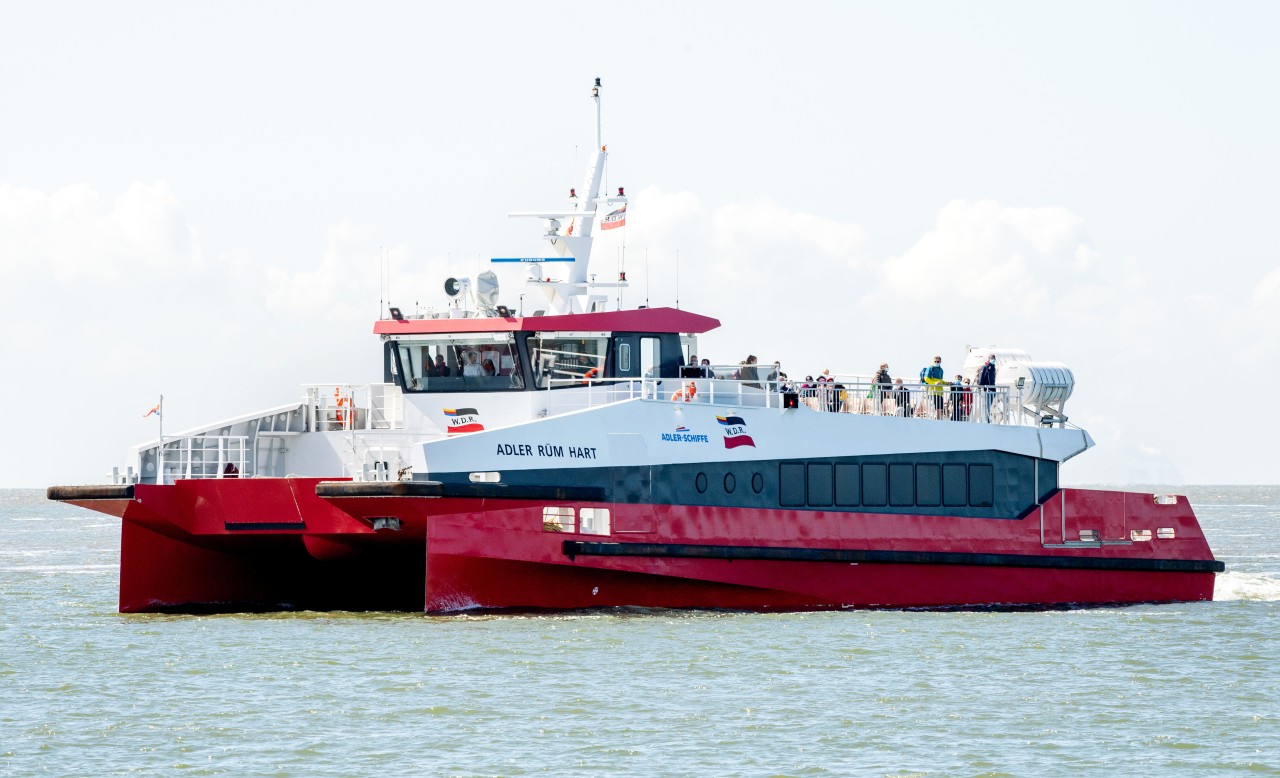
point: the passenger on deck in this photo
(707, 372)
(961, 399)
(987, 386)
(836, 396)
(902, 396)
(473, 366)
(935, 378)
(882, 385)
(748, 373)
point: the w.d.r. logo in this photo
(735, 432)
(462, 420)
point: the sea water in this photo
(1141, 690)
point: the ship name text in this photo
(546, 450)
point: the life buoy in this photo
(340, 415)
(590, 374)
(686, 394)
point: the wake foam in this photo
(1262, 587)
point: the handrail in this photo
(335, 407)
(982, 405)
(189, 457)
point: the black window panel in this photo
(981, 486)
(902, 487)
(928, 485)
(875, 485)
(791, 484)
(955, 485)
(1048, 477)
(848, 486)
(820, 486)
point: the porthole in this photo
(730, 483)
(701, 483)
(757, 483)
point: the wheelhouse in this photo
(501, 355)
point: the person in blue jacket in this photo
(935, 378)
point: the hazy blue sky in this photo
(194, 198)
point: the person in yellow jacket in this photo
(934, 377)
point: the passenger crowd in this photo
(934, 397)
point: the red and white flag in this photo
(616, 219)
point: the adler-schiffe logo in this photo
(462, 420)
(735, 432)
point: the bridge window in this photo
(460, 362)
(565, 360)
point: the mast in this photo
(579, 243)
(572, 241)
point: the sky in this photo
(199, 200)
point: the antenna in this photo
(646, 278)
(677, 279)
(595, 95)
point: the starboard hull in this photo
(275, 544)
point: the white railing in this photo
(983, 405)
(338, 407)
(205, 456)
(562, 399)
(946, 402)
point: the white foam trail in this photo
(72, 569)
(1263, 587)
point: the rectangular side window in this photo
(902, 487)
(848, 486)
(981, 486)
(557, 519)
(875, 485)
(791, 484)
(819, 491)
(594, 521)
(928, 486)
(651, 357)
(955, 486)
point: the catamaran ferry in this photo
(571, 458)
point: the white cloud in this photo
(75, 235)
(983, 252)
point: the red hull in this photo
(258, 544)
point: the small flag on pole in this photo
(156, 410)
(617, 218)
